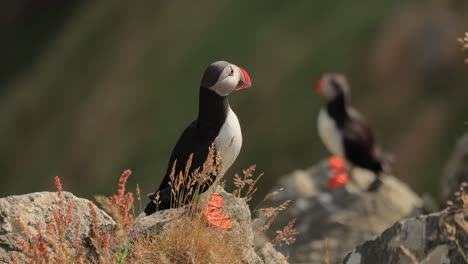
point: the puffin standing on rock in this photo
(343, 130)
(217, 125)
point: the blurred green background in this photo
(90, 88)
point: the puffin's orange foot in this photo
(213, 214)
(338, 180)
(336, 164)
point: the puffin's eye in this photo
(231, 73)
(335, 84)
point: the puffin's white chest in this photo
(229, 140)
(329, 133)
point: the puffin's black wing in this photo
(190, 142)
(359, 146)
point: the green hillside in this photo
(91, 89)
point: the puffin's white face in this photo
(331, 85)
(223, 78)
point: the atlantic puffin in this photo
(216, 125)
(343, 130)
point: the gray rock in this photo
(155, 223)
(238, 211)
(456, 170)
(271, 256)
(425, 237)
(345, 217)
(37, 208)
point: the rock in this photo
(425, 237)
(37, 208)
(270, 256)
(456, 170)
(239, 212)
(345, 217)
(155, 223)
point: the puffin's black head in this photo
(223, 77)
(330, 85)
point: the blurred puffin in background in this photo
(343, 130)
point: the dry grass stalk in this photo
(455, 222)
(138, 197)
(97, 238)
(287, 235)
(188, 240)
(55, 248)
(271, 213)
(246, 181)
(120, 206)
(186, 186)
(326, 257)
(460, 200)
(38, 248)
(410, 255)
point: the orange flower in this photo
(213, 214)
(338, 180)
(336, 164)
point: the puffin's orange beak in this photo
(319, 86)
(246, 81)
